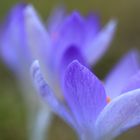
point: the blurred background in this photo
(12, 108)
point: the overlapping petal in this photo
(72, 29)
(96, 48)
(133, 83)
(120, 74)
(84, 94)
(70, 33)
(71, 54)
(118, 116)
(86, 107)
(48, 95)
(38, 39)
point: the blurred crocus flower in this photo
(94, 113)
(16, 54)
(24, 38)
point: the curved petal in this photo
(118, 77)
(38, 39)
(100, 43)
(84, 94)
(120, 115)
(47, 94)
(133, 83)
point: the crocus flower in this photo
(86, 105)
(70, 37)
(24, 37)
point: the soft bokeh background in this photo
(12, 108)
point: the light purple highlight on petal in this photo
(38, 38)
(55, 20)
(133, 83)
(84, 94)
(95, 49)
(47, 94)
(119, 76)
(120, 115)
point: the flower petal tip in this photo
(29, 8)
(74, 64)
(75, 14)
(34, 68)
(39, 80)
(31, 15)
(29, 11)
(111, 26)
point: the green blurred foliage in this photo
(12, 108)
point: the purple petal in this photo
(71, 33)
(92, 26)
(13, 40)
(84, 94)
(72, 30)
(100, 43)
(55, 21)
(133, 83)
(120, 115)
(69, 55)
(118, 77)
(47, 94)
(38, 39)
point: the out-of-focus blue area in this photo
(12, 108)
